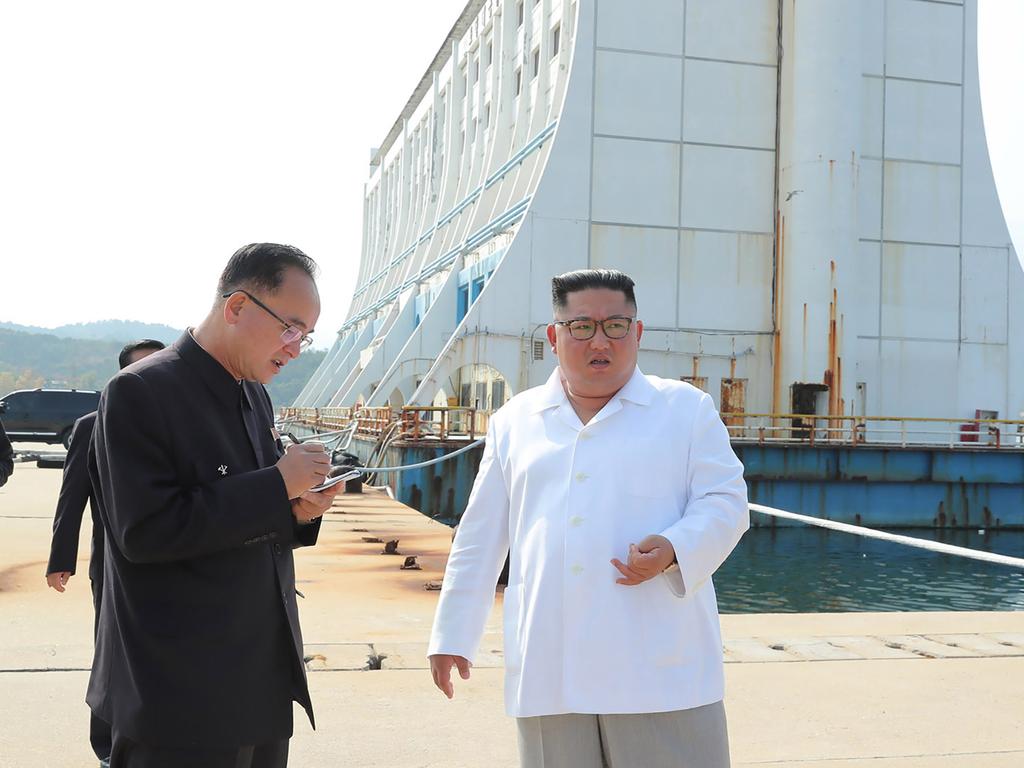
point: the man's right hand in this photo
(441, 668)
(303, 466)
(58, 579)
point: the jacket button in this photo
(277, 549)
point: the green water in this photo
(811, 570)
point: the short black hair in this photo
(581, 279)
(125, 358)
(261, 266)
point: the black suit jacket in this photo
(199, 642)
(6, 456)
(75, 491)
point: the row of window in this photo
(556, 44)
(420, 170)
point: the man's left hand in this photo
(309, 505)
(646, 560)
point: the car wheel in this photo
(65, 437)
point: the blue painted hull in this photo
(888, 487)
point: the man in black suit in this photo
(6, 456)
(75, 491)
(199, 654)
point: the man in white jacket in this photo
(619, 496)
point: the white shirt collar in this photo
(637, 390)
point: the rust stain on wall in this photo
(780, 228)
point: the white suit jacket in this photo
(568, 498)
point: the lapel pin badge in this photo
(223, 469)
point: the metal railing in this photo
(443, 423)
(415, 422)
(903, 431)
(371, 421)
(458, 422)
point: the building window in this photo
(489, 54)
(556, 34)
(518, 81)
(520, 13)
(476, 69)
(535, 69)
(487, 115)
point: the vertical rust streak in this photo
(780, 228)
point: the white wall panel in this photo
(867, 371)
(649, 256)
(984, 295)
(863, 312)
(729, 104)
(924, 40)
(637, 95)
(725, 281)
(922, 203)
(873, 36)
(735, 30)
(556, 246)
(918, 377)
(869, 198)
(920, 291)
(726, 188)
(980, 383)
(871, 116)
(922, 121)
(636, 182)
(641, 25)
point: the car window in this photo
(22, 400)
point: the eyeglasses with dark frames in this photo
(290, 334)
(584, 328)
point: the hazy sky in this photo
(142, 143)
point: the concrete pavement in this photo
(907, 690)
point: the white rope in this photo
(439, 459)
(910, 541)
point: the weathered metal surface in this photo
(734, 399)
(883, 487)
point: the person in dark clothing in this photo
(6, 456)
(199, 654)
(75, 491)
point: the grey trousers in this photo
(687, 738)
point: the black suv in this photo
(46, 415)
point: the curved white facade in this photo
(802, 193)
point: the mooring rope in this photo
(910, 541)
(421, 464)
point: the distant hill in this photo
(29, 360)
(104, 330)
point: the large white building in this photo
(802, 192)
